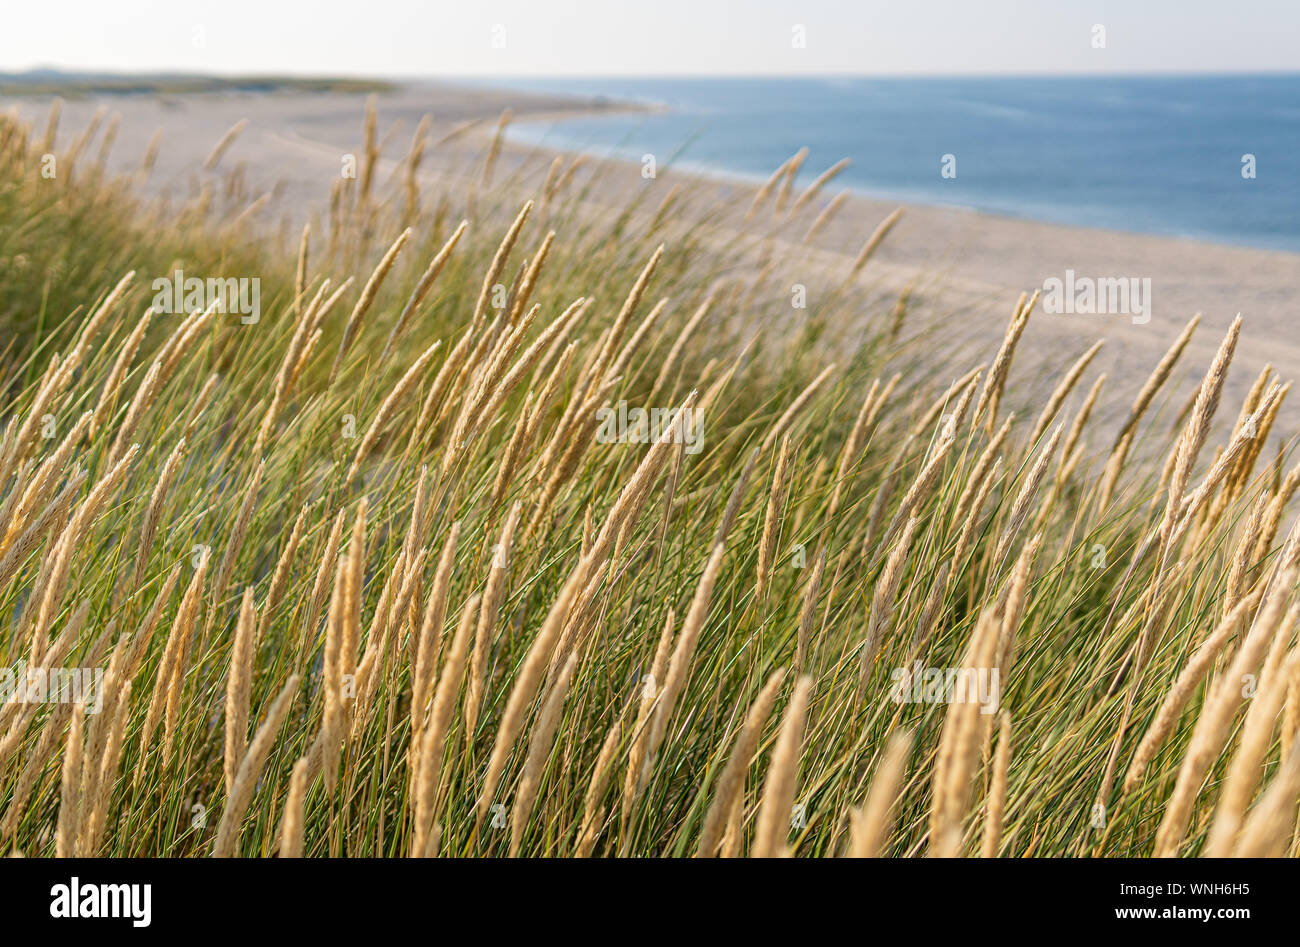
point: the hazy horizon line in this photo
(488, 77)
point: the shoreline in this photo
(722, 175)
(973, 263)
(965, 267)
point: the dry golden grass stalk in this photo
(113, 384)
(921, 486)
(632, 499)
(882, 601)
(395, 397)
(1272, 821)
(26, 543)
(148, 625)
(144, 396)
(70, 800)
(778, 430)
(228, 139)
(291, 831)
(1071, 452)
(731, 781)
(498, 264)
(540, 745)
(932, 610)
(499, 383)
(321, 588)
(433, 406)
(1195, 502)
(846, 464)
(178, 345)
(871, 826)
(679, 665)
(619, 326)
(1197, 429)
(1213, 725)
(1028, 490)
(519, 301)
(954, 418)
(1062, 391)
(108, 766)
(673, 358)
(1290, 711)
(787, 182)
(650, 689)
(250, 772)
(735, 500)
(979, 473)
(959, 748)
(525, 688)
(428, 644)
(55, 578)
(884, 494)
(300, 274)
(601, 772)
(991, 395)
(1156, 381)
(42, 481)
(35, 762)
(239, 683)
(808, 613)
(873, 242)
(433, 735)
(176, 655)
(289, 363)
(772, 826)
(1247, 766)
(427, 279)
(515, 447)
(818, 183)
(92, 326)
(367, 298)
(280, 576)
(772, 517)
(18, 438)
(25, 711)
(837, 203)
(1014, 603)
(635, 341)
(235, 541)
(761, 195)
(493, 593)
(997, 801)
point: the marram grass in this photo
(362, 578)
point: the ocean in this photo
(1163, 155)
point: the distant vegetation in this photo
(71, 84)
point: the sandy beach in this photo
(964, 268)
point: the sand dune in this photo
(966, 267)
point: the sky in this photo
(484, 38)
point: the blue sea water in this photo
(1148, 154)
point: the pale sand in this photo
(969, 266)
